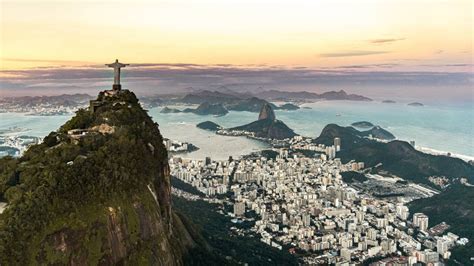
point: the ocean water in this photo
(442, 128)
(38, 126)
(437, 127)
(182, 127)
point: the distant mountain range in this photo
(253, 102)
(305, 95)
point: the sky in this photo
(359, 45)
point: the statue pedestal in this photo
(116, 87)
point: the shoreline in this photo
(431, 151)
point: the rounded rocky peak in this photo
(266, 112)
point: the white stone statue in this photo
(116, 66)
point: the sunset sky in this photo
(380, 35)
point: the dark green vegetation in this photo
(351, 176)
(209, 125)
(397, 157)
(455, 206)
(362, 124)
(89, 199)
(208, 109)
(215, 228)
(268, 128)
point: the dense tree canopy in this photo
(63, 174)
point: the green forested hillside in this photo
(455, 206)
(96, 196)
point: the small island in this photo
(209, 125)
(416, 104)
(362, 124)
(388, 101)
(288, 107)
(168, 110)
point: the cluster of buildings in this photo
(209, 177)
(235, 133)
(302, 204)
(39, 106)
(307, 144)
(39, 110)
(175, 146)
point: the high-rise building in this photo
(402, 212)
(442, 246)
(382, 222)
(331, 152)
(168, 143)
(239, 208)
(346, 254)
(208, 160)
(354, 166)
(306, 219)
(420, 220)
(337, 144)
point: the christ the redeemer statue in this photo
(116, 66)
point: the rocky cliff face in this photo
(88, 196)
(266, 113)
